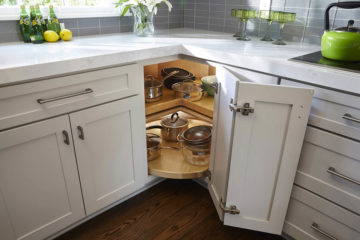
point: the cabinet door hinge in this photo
(232, 209)
(245, 109)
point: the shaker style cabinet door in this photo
(259, 131)
(39, 185)
(111, 151)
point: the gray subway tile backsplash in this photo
(213, 15)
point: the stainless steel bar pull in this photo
(333, 171)
(350, 117)
(81, 132)
(315, 226)
(52, 99)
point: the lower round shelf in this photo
(171, 163)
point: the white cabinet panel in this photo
(321, 151)
(306, 208)
(111, 151)
(264, 152)
(39, 184)
(20, 104)
(329, 109)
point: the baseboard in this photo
(74, 225)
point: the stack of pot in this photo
(196, 144)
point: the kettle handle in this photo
(346, 5)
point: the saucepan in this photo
(171, 127)
(153, 145)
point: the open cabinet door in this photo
(256, 149)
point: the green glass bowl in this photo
(206, 84)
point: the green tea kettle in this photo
(342, 44)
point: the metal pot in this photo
(343, 44)
(153, 149)
(197, 139)
(181, 75)
(171, 127)
(153, 145)
(198, 135)
(153, 89)
(188, 90)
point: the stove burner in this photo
(317, 58)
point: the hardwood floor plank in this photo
(173, 209)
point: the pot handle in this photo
(172, 117)
(153, 127)
(346, 5)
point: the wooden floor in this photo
(173, 209)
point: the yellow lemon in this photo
(51, 36)
(66, 34)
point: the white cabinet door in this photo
(255, 156)
(39, 184)
(111, 151)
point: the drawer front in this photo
(322, 151)
(334, 111)
(37, 100)
(310, 217)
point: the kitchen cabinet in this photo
(328, 168)
(110, 150)
(258, 134)
(258, 131)
(39, 185)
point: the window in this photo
(10, 9)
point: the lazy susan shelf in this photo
(204, 106)
(171, 163)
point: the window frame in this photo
(63, 12)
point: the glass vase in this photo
(143, 21)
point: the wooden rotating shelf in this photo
(204, 106)
(171, 163)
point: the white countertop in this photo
(21, 62)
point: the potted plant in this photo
(143, 12)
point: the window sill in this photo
(13, 13)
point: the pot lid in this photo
(186, 87)
(349, 28)
(174, 121)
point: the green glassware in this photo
(267, 15)
(233, 14)
(244, 15)
(282, 18)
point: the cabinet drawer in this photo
(41, 99)
(321, 151)
(330, 109)
(306, 209)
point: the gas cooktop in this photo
(318, 59)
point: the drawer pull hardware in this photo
(350, 117)
(52, 99)
(334, 172)
(315, 226)
(232, 209)
(66, 137)
(245, 109)
(81, 132)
